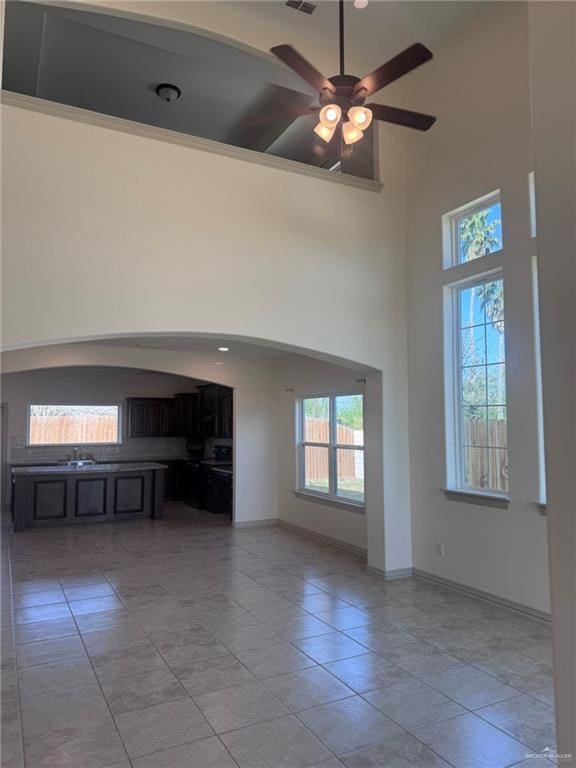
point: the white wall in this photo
(88, 386)
(256, 468)
(173, 239)
(478, 87)
(553, 60)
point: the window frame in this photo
(450, 229)
(120, 422)
(333, 446)
(454, 422)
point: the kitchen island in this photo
(62, 494)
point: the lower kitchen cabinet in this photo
(206, 484)
(174, 479)
(55, 495)
(222, 493)
(192, 482)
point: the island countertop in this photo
(61, 494)
(63, 469)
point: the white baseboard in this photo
(398, 573)
(487, 597)
(326, 539)
(255, 523)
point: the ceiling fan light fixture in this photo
(325, 132)
(360, 116)
(330, 115)
(351, 133)
(168, 92)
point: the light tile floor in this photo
(184, 643)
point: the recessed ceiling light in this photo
(218, 362)
(223, 349)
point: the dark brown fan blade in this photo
(281, 114)
(302, 67)
(402, 117)
(400, 65)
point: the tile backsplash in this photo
(142, 448)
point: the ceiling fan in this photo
(345, 95)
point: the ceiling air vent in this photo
(298, 5)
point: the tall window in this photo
(331, 447)
(479, 404)
(73, 424)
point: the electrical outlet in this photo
(439, 548)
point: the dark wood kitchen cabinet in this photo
(172, 425)
(154, 417)
(222, 493)
(225, 413)
(60, 495)
(174, 479)
(206, 488)
(191, 416)
(217, 411)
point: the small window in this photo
(331, 447)
(478, 407)
(473, 231)
(73, 424)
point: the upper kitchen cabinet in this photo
(154, 417)
(196, 416)
(172, 425)
(191, 416)
(226, 412)
(216, 407)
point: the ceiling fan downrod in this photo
(341, 9)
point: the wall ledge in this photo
(54, 109)
(360, 551)
(487, 597)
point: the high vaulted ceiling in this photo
(107, 60)
(373, 34)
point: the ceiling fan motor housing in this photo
(344, 94)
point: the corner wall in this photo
(478, 86)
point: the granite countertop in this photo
(224, 471)
(111, 460)
(65, 469)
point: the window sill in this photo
(477, 497)
(351, 506)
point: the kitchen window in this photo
(73, 424)
(331, 447)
